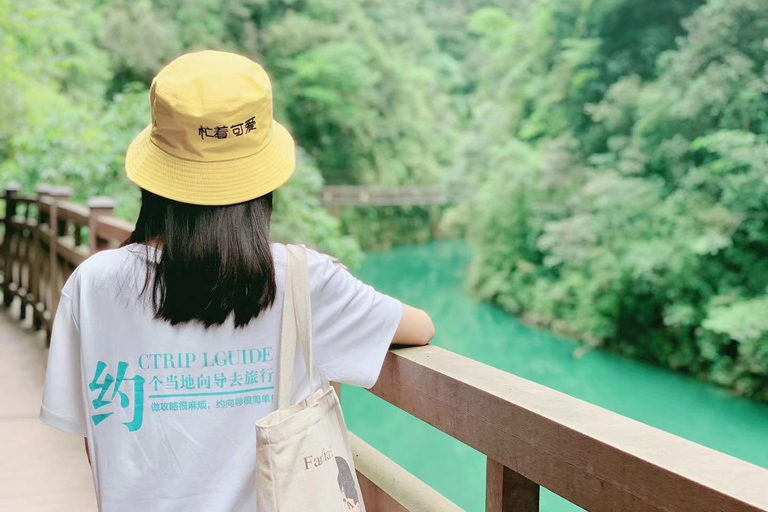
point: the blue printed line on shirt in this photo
(215, 393)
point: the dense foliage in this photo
(622, 170)
(610, 157)
(74, 78)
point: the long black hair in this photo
(214, 260)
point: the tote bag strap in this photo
(296, 325)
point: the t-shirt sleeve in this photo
(63, 406)
(353, 325)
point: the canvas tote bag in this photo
(303, 451)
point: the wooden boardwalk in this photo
(41, 469)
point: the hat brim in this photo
(211, 183)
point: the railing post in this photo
(45, 293)
(11, 189)
(58, 228)
(508, 491)
(60, 193)
(100, 207)
(43, 191)
(36, 269)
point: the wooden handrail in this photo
(532, 436)
(596, 459)
(388, 487)
(113, 230)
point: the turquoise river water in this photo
(432, 277)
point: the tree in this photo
(651, 239)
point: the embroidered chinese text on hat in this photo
(212, 140)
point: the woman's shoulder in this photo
(105, 264)
(108, 259)
(316, 259)
(325, 271)
(279, 254)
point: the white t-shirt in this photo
(169, 411)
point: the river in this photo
(432, 277)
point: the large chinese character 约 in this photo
(108, 382)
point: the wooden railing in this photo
(532, 436)
(45, 237)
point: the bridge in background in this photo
(532, 436)
(417, 195)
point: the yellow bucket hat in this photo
(212, 139)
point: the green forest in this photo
(607, 159)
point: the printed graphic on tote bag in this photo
(349, 494)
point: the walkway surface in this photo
(41, 469)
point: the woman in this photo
(163, 351)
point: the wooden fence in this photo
(532, 436)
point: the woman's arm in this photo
(416, 328)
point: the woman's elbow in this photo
(429, 332)
(416, 328)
